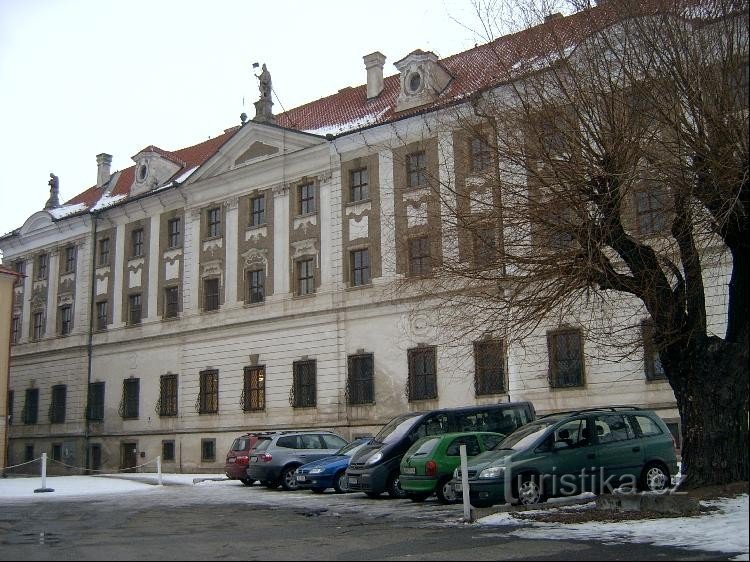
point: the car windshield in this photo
(353, 447)
(398, 427)
(525, 435)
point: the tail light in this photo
(430, 468)
(265, 457)
(242, 459)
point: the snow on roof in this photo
(66, 210)
(107, 201)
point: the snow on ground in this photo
(724, 530)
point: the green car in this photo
(427, 467)
(565, 454)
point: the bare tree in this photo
(608, 170)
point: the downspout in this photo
(90, 342)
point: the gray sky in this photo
(81, 77)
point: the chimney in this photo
(374, 64)
(103, 162)
(552, 17)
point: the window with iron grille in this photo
(20, 267)
(651, 360)
(211, 294)
(254, 389)
(171, 302)
(136, 243)
(358, 185)
(651, 211)
(130, 398)
(360, 381)
(485, 247)
(304, 386)
(38, 325)
(31, 406)
(167, 451)
(11, 396)
(167, 395)
(15, 332)
(134, 309)
(258, 211)
(66, 319)
(305, 277)
(56, 452)
(360, 267)
(256, 285)
(174, 239)
(416, 169)
(419, 256)
(28, 454)
(480, 155)
(103, 252)
(95, 406)
(57, 405)
(70, 259)
(213, 222)
(102, 308)
(208, 397)
(306, 198)
(565, 349)
(489, 367)
(208, 450)
(42, 265)
(422, 373)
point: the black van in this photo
(374, 469)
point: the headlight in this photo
(316, 470)
(377, 457)
(492, 472)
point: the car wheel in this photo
(529, 491)
(288, 479)
(317, 490)
(247, 481)
(372, 495)
(417, 498)
(393, 487)
(341, 482)
(444, 491)
(654, 478)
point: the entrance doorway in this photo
(95, 460)
(128, 457)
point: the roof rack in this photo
(597, 409)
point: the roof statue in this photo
(54, 192)
(263, 111)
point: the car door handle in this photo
(636, 449)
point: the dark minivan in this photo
(375, 468)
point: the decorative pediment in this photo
(37, 221)
(423, 78)
(256, 150)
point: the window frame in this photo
(66, 319)
(650, 210)
(174, 236)
(213, 222)
(168, 405)
(490, 379)
(360, 380)
(42, 266)
(255, 280)
(211, 299)
(419, 375)
(419, 263)
(652, 366)
(31, 407)
(102, 320)
(136, 243)
(359, 185)
(254, 388)
(305, 276)
(480, 154)
(304, 383)
(258, 210)
(95, 401)
(208, 445)
(416, 169)
(306, 198)
(135, 309)
(171, 301)
(208, 391)
(359, 268)
(554, 339)
(71, 255)
(57, 404)
(131, 398)
(103, 252)
(38, 325)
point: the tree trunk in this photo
(711, 387)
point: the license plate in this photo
(458, 488)
(253, 459)
(353, 480)
(410, 470)
(301, 478)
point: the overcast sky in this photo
(82, 77)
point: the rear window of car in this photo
(427, 447)
(648, 426)
(288, 442)
(262, 444)
(333, 441)
(241, 444)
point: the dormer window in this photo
(414, 82)
(423, 79)
(142, 172)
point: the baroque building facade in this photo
(254, 281)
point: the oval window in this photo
(142, 172)
(415, 81)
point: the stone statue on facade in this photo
(54, 192)
(263, 107)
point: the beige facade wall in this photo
(8, 280)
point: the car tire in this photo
(288, 479)
(417, 498)
(247, 481)
(317, 490)
(654, 478)
(340, 482)
(444, 491)
(529, 491)
(393, 487)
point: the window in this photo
(208, 397)
(70, 259)
(42, 265)
(257, 211)
(136, 243)
(422, 373)
(358, 185)
(38, 325)
(103, 252)
(101, 315)
(171, 302)
(28, 453)
(305, 277)
(650, 210)
(256, 285)
(612, 427)
(306, 198)
(167, 405)
(167, 451)
(10, 407)
(31, 406)
(647, 426)
(66, 319)
(134, 309)
(213, 222)
(489, 367)
(254, 389)
(15, 331)
(20, 267)
(472, 446)
(651, 360)
(479, 154)
(211, 294)
(360, 267)
(304, 393)
(485, 247)
(130, 398)
(56, 452)
(359, 384)
(173, 233)
(416, 169)
(95, 407)
(419, 256)
(565, 349)
(208, 450)
(57, 405)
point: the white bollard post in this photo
(44, 476)
(465, 482)
(158, 468)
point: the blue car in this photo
(329, 472)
